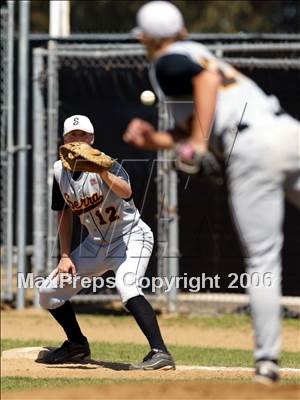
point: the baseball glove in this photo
(79, 156)
(201, 165)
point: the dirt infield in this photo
(38, 324)
(187, 382)
(113, 370)
(174, 391)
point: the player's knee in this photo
(125, 283)
(47, 301)
(120, 280)
(130, 296)
(44, 301)
(126, 294)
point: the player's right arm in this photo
(143, 135)
(65, 230)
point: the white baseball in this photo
(147, 98)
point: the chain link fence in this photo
(3, 83)
(7, 151)
(125, 66)
(50, 66)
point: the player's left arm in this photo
(117, 184)
(205, 87)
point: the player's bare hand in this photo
(187, 149)
(140, 133)
(65, 267)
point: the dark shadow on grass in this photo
(86, 364)
(66, 366)
(116, 366)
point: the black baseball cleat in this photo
(68, 352)
(155, 359)
(266, 372)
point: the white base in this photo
(29, 353)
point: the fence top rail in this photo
(241, 47)
(92, 52)
(121, 52)
(99, 53)
(287, 63)
(277, 63)
(121, 37)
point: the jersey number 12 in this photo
(112, 215)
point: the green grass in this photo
(186, 355)
(294, 323)
(22, 383)
(223, 321)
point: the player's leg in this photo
(292, 160)
(260, 231)
(55, 298)
(130, 259)
(257, 200)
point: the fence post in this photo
(39, 168)
(52, 148)
(22, 146)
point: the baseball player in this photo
(259, 144)
(117, 240)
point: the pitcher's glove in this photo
(80, 156)
(201, 165)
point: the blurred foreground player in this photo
(257, 141)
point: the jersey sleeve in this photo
(58, 202)
(119, 171)
(174, 73)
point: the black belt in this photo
(279, 112)
(242, 127)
